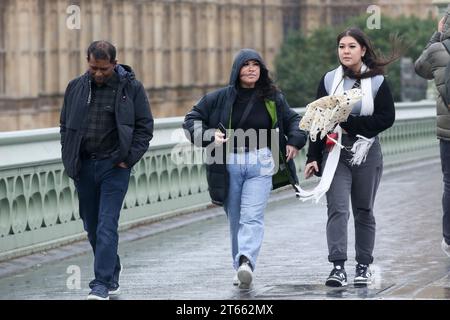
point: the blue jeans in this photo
(248, 193)
(445, 162)
(101, 189)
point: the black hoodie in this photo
(216, 107)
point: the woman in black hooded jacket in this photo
(252, 136)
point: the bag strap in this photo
(244, 117)
(247, 110)
(357, 84)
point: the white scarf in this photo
(360, 148)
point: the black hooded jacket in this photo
(133, 117)
(215, 107)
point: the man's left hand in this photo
(123, 165)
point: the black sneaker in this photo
(98, 292)
(363, 275)
(337, 277)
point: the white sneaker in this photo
(445, 247)
(245, 275)
(235, 280)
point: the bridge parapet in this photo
(39, 205)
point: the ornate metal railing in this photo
(39, 205)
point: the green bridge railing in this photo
(39, 205)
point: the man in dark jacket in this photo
(106, 125)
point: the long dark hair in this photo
(373, 62)
(265, 85)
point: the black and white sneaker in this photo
(337, 277)
(98, 292)
(363, 275)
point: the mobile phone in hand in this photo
(222, 129)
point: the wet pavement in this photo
(188, 258)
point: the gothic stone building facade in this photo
(179, 49)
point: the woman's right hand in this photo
(310, 169)
(219, 138)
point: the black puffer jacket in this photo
(216, 107)
(133, 117)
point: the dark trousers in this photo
(445, 162)
(101, 190)
(360, 184)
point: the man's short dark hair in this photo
(102, 50)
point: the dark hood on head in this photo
(124, 71)
(241, 57)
